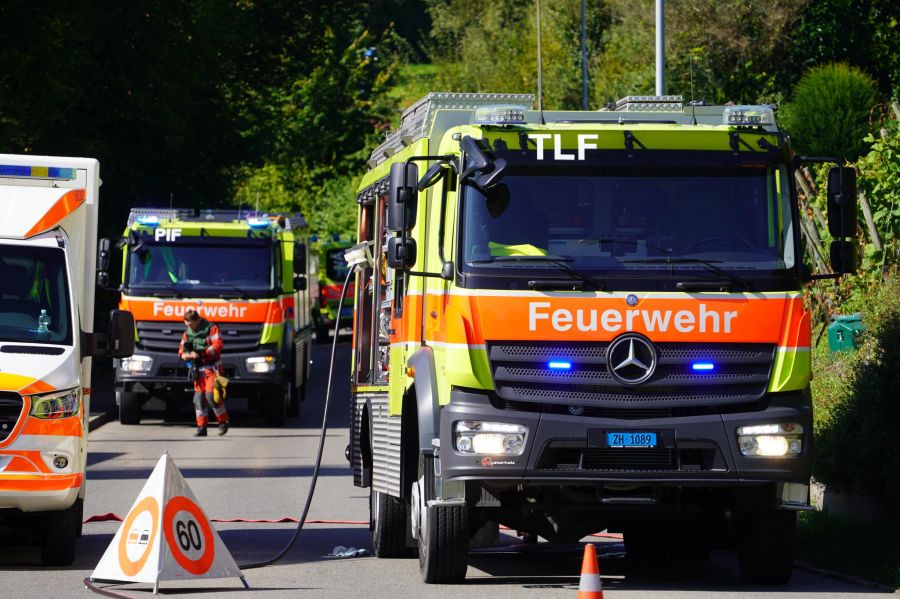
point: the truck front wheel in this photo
(129, 404)
(442, 532)
(59, 534)
(765, 545)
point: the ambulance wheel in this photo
(276, 403)
(388, 519)
(59, 535)
(129, 405)
(765, 545)
(442, 532)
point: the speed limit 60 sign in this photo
(188, 535)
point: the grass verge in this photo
(832, 542)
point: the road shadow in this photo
(550, 565)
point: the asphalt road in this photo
(261, 473)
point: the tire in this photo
(129, 405)
(388, 519)
(442, 532)
(275, 405)
(59, 535)
(765, 546)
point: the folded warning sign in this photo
(166, 536)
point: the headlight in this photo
(771, 440)
(137, 363)
(261, 364)
(61, 404)
(490, 438)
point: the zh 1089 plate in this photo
(631, 439)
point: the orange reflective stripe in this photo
(64, 427)
(39, 482)
(37, 387)
(216, 311)
(25, 461)
(61, 209)
(737, 318)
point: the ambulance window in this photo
(34, 298)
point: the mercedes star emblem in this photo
(631, 359)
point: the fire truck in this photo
(331, 268)
(576, 321)
(243, 271)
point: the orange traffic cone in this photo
(590, 586)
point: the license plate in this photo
(631, 439)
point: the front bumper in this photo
(564, 449)
(167, 368)
(28, 479)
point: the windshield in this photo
(34, 297)
(631, 221)
(207, 267)
(335, 266)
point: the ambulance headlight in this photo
(60, 404)
(771, 440)
(137, 363)
(489, 438)
(261, 364)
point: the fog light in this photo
(60, 462)
(137, 363)
(261, 364)
(490, 438)
(771, 440)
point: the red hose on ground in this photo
(111, 517)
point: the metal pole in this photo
(660, 48)
(584, 66)
(540, 83)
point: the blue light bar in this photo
(703, 366)
(43, 172)
(559, 365)
(148, 220)
(258, 223)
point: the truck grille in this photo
(521, 374)
(165, 336)
(10, 412)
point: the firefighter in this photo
(201, 346)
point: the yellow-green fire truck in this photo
(575, 321)
(331, 269)
(245, 272)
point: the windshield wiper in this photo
(171, 287)
(732, 279)
(559, 262)
(241, 294)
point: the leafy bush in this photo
(828, 114)
(857, 414)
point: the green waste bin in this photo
(845, 333)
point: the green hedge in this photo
(857, 404)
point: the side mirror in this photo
(135, 243)
(300, 282)
(121, 334)
(431, 176)
(402, 200)
(299, 259)
(401, 253)
(841, 203)
(843, 256)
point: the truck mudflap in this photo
(566, 449)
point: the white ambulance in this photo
(48, 265)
